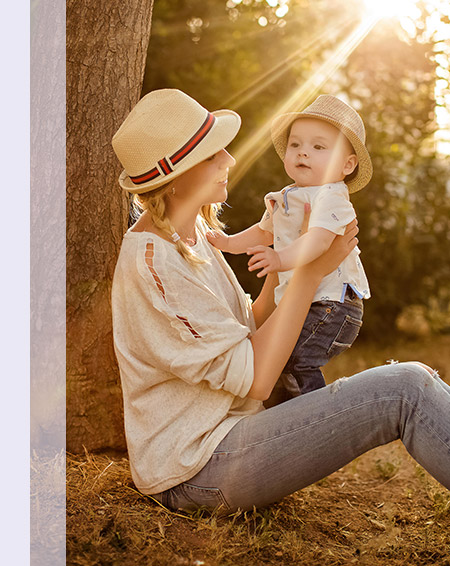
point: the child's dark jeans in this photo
(330, 328)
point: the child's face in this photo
(317, 153)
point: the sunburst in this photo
(250, 150)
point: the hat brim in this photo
(223, 131)
(280, 129)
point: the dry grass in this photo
(380, 509)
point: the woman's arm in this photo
(275, 339)
(264, 304)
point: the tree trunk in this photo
(106, 52)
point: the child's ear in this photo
(350, 164)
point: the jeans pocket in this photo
(188, 497)
(346, 335)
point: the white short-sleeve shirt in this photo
(331, 209)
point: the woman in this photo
(197, 358)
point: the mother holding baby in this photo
(197, 357)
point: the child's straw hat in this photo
(167, 133)
(336, 112)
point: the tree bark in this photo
(107, 44)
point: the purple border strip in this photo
(47, 293)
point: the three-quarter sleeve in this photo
(195, 337)
(231, 370)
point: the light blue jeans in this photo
(287, 447)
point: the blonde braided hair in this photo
(154, 202)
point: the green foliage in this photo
(218, 53)
(404, 213)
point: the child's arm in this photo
(301, 251)
(238, 243)
(306, 249)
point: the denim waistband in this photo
(349, 297)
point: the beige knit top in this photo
(181, 336)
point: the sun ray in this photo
(250, 150)
(326, 35)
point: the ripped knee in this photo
(336, 385)
(423, 373)
(431, 371)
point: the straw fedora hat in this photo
(167, 133)
(336, 112)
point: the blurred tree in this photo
(249, 55)
(404, 213)
(106, 52)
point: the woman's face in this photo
(206, 182)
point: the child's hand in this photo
(218, 239)
(263, 258)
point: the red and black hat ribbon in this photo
(166, 164)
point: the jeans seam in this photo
(322, 420)
(338, 413)
(430, 428)
(302, 426)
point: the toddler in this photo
(324, 153)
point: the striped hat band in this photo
(166, 164)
